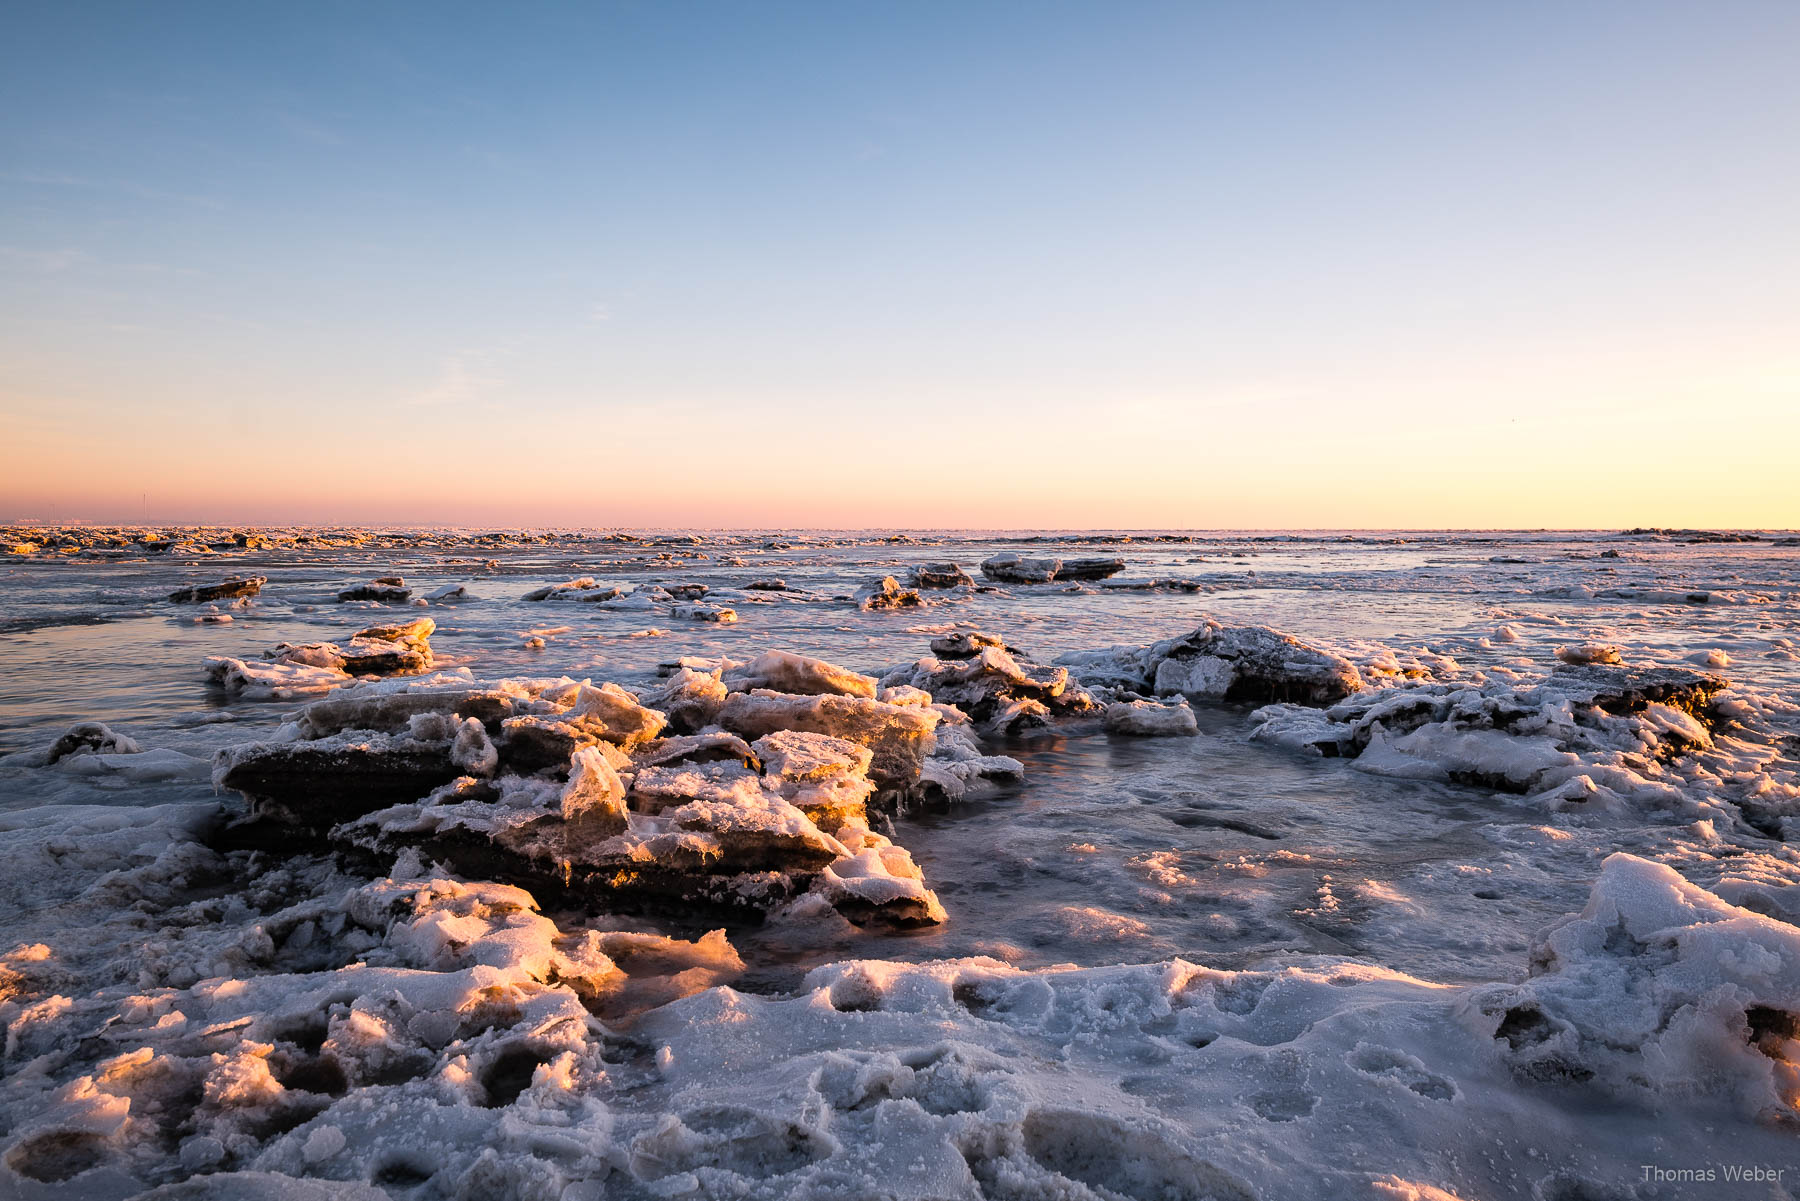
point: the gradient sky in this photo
(908, 264)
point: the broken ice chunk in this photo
(199, 594)
(900, 736)
(782, 671)
(1149, 719)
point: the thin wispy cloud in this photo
(306, 129)
(123, 187)
(465, 377)
(57, 260)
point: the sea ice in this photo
(1150, 719)
(290, 672)
(388, 589)
(886, 593)
(583, 589)
(995, 689)
(1219, 662)
(899, 736)
(783, 671)
(200, 594)
(940, 575)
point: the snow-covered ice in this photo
(1162, 866)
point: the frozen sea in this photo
(1213, 965)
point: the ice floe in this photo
(542, 780)
(1149, 719)
(940, 575)
(995, 689)
(1218, 662)
(200, 594)
(387, 589)
(586, 588)
(289, 672)
(886, 593)
(1013, 568)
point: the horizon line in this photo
(14, 524)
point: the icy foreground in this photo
(204, 1018)
(423, 1036)
(508, 901)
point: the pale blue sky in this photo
(905, 264)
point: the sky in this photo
(920, 264)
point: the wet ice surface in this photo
(1242, 856)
